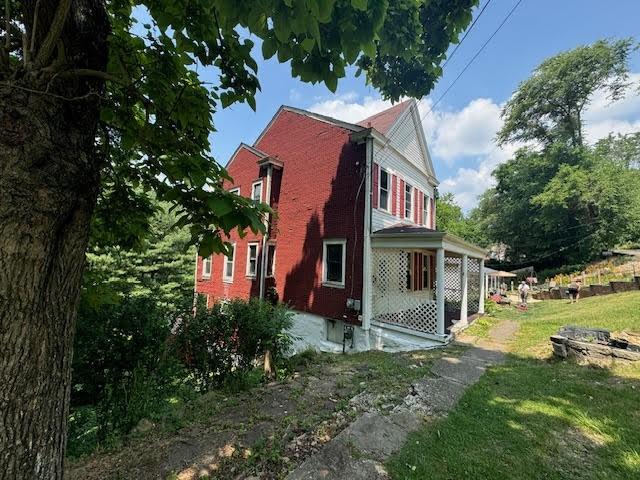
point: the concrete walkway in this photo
(359, 451)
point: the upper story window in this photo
(425, 209)
(252, 260)
(408, 201)
(384, 190)
(271, 259)
(235, 190)
(256, 192)
(206, 267)
(229, 261)
(333, 262)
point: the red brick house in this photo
(354, 246)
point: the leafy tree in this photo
(451, 219)
(561, 201)
(161, 267)
(99, 98)
(548, 107)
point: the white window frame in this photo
(225, 278)
(425, 209)
(247, 272)
(235, 190)
(407, 185)
(253, 188)
(325, 244)
(270, 246)
(388, 189)
(207, 261)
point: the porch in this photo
(423, 282)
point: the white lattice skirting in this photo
(393, 302)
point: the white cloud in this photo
(467, 132)
(603, 117)
(347, 108)
(294, 95)
(466, 136)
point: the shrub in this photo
(121, 364)
(222, 343)
(491, 307)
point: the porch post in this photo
(483, 281)
(440, 291)
(464, 281)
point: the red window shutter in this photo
(394, 195)
(432, 213)
(376, 170)
(401, 199)
(420, 209)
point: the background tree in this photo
(99, 98)
(548, 107)
(561, 201)
(451, 219)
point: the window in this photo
(333, 262)
(425, 209)
(206, 267)
(426, 271)
(408, 197)
(252, 259)
(227, 271)
(384, 190)
(256, 192)
(271, 259)
(235, 190)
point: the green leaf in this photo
(359, 5)
(220, 206)
(269, 48)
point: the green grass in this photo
(536, 418)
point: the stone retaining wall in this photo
(559, 293)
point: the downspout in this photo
(265, 237)
(366, 267)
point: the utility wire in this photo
(473, 58)
(466, 67)
(465, 34)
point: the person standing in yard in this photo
(523, 290)
(574, 290)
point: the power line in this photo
(465, 34)
(469, 62)
(473, 58)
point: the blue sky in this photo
(461, 128)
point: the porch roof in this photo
(415, 236)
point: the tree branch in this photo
(51, 40)
(7, 25)
(52, 95)
(87, 72)
(34, 27)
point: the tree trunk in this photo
(49, 182)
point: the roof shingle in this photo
(383, 121)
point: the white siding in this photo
(404, 139)
(396, 164)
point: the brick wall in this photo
(321, 175)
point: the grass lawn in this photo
(536, 418)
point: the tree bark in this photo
(49, 182)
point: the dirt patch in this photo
(268, 431)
